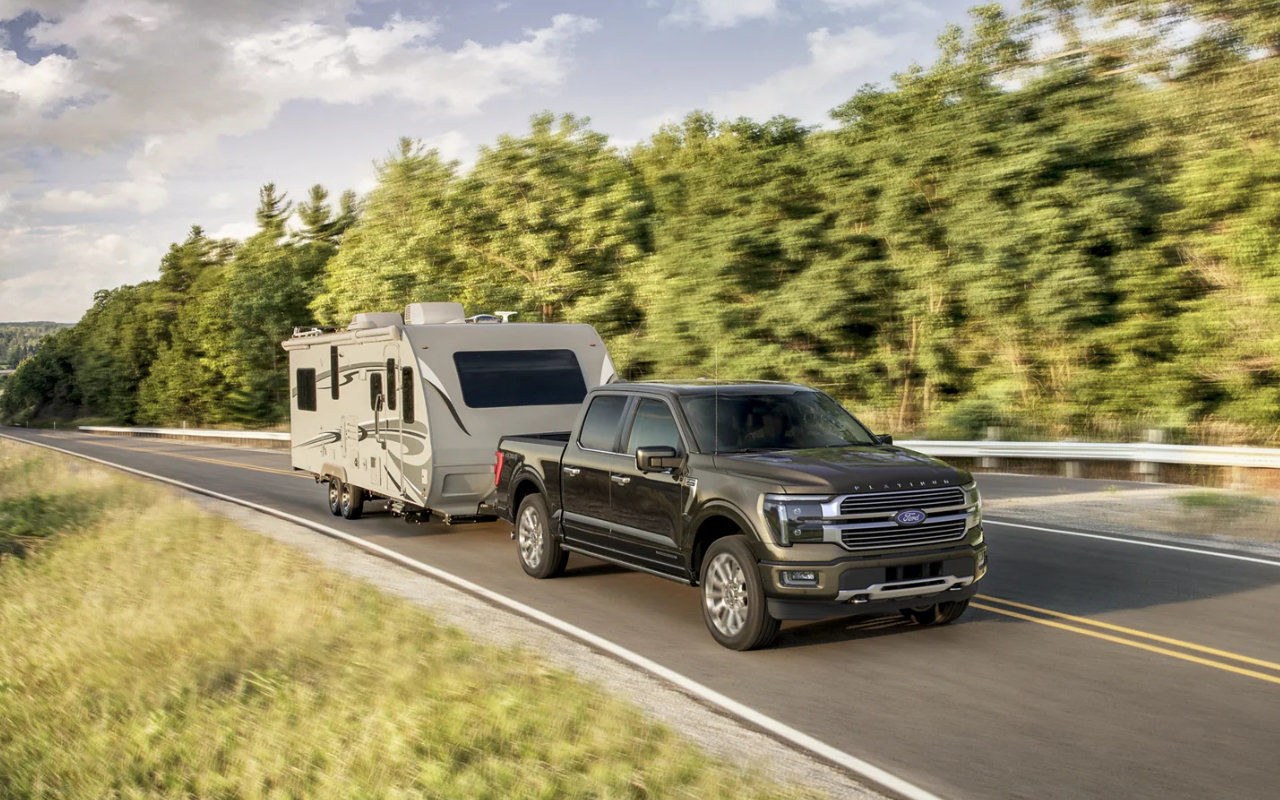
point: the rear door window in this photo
(600, 426)
(500, 378)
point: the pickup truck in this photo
(771, 498)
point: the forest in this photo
(20, 339)
(1063, 227)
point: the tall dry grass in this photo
(148, 649)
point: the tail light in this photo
(497, 466)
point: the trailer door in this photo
(393, 435)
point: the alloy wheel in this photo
(530, 535)
(725, 593)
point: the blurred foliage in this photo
(1067, 225)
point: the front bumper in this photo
(874, 585)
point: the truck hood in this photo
(844, 470)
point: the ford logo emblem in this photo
(911, 516)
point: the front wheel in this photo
(733, 602)
(540, 554)
(936, 614)
(352, 502)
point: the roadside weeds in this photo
(232, 664)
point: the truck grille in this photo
(879, 535)
(924, 499)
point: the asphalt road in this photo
(1087, 668)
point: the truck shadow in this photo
(845, 629)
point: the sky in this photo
(125, 122)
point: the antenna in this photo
(715, 437)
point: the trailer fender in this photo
(333, 471)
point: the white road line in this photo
(764, 722)
(1139, 542)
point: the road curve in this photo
(1089, 668)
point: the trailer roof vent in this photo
(375, 319)
(434, 313)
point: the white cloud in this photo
(453, 146)
(165, 80)
(722, 13)
(235, 230)
(838, 64)
(222, 200)
(75, 262)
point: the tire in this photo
(334, 489)
(540, 554)
(352, 502)
(937, 614)
(733, 602)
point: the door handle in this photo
(572, 472)
(621, 480)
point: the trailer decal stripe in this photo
(449, 404)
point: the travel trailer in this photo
(409, 408)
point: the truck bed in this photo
(561, 437)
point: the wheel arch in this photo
(523, 484)
(713, 522)
(333, 471)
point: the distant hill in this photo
(19, 339)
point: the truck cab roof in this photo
(705, 387)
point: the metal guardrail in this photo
(253, 436)
(1196, 455)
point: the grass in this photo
(1229, 503)
(152, 650)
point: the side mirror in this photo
(379, 402)
(658, 459)
(885, 438)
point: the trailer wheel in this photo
(335, 496)
(352, 503)
(540, 554)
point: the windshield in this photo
(738, 423)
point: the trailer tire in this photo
(541, 556)
(334, 490)
(352, 501)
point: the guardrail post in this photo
(1149, 471)
(994, 434)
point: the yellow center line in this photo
(1134, 632)
(199, 458)
(1262, 676)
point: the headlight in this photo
(793, 518)
(973, 505)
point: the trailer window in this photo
(305, 380)
(375, 390)
(406, 394)
(391, 384)
(333, 372)
(498, 378)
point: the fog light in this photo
(799, 577)
(981, 564)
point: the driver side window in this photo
(653, 427)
